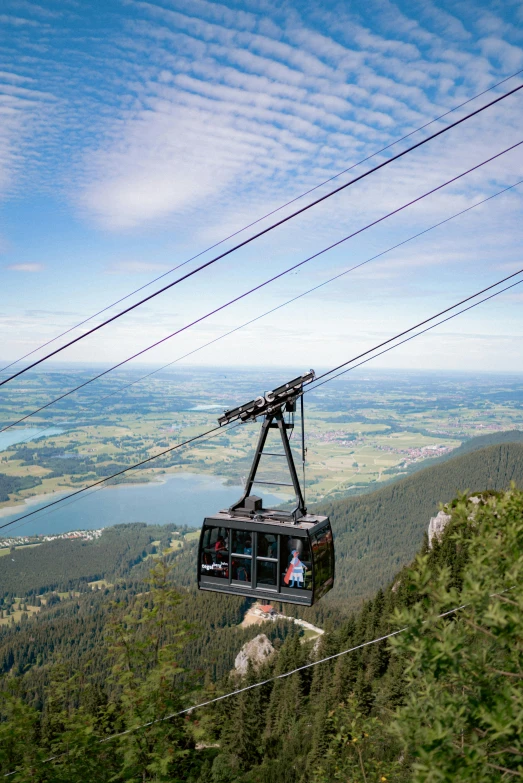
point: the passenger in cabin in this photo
(242, 574)
(241, 570)
(247, 549)
(220, 548)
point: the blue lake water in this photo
(184, 499)
(11, 437)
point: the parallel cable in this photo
(100, 488)
(260, 684)
(215, 429)
(263, 217)
(259, 234)
(262, 285)
(298, 296)
(406, 340)
(114, 475)
(278, 307)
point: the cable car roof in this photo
(270, 518)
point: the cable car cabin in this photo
(268, 554)
(267, 559)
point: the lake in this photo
(184, 499)
(11, 437)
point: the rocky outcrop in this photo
(258, 650)
(437, 525)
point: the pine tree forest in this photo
(441, 700)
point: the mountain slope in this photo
(376, 534)
(470, 445)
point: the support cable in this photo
(274, 309)
(114, 475)
(303, 449)
(262, 285)
(263, 217)
(99, 488)
(259, 234)
(354, 359)
(406, 340)
(276, 677)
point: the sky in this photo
(135, 135)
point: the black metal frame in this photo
(273, 421)
(268, 402)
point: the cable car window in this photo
(241, 542)
(322, 552)
(295, 563)
(266, 573)
(215, 552)
(241, 569)
(267, 545)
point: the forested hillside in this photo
(446, 695)
(375, 535)
(65, 565)
(442, 701)
(378, 533)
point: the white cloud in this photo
(447, 24)
(17, 21)
(510, 57)
(24, 110)
(135, 268)
(230, 106)
(25, 267)
(193, 118)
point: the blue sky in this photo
(136, 134)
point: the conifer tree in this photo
(243, 736)
(463, 715)
(363, 692)
(145, 646)
(356, 750)
(287, 700)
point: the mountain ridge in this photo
(376, 534)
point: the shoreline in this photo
(157, 480)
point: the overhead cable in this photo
(203, 439)
(125, 386)
(406, 340)
(261, 285)
(215, 429)
(263, 217)
(114, 475)
(237, 691)
(259, 234)
(276, 677)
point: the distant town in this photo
(17, 541)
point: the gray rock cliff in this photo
(437, 525)
(258, 650)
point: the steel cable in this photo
(417, 334)
(260, 684)
(273, 310)
(262, 285)
(263, 217)
(101, 487)
(215, 429)
(259, 234)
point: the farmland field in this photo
(360, 430)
